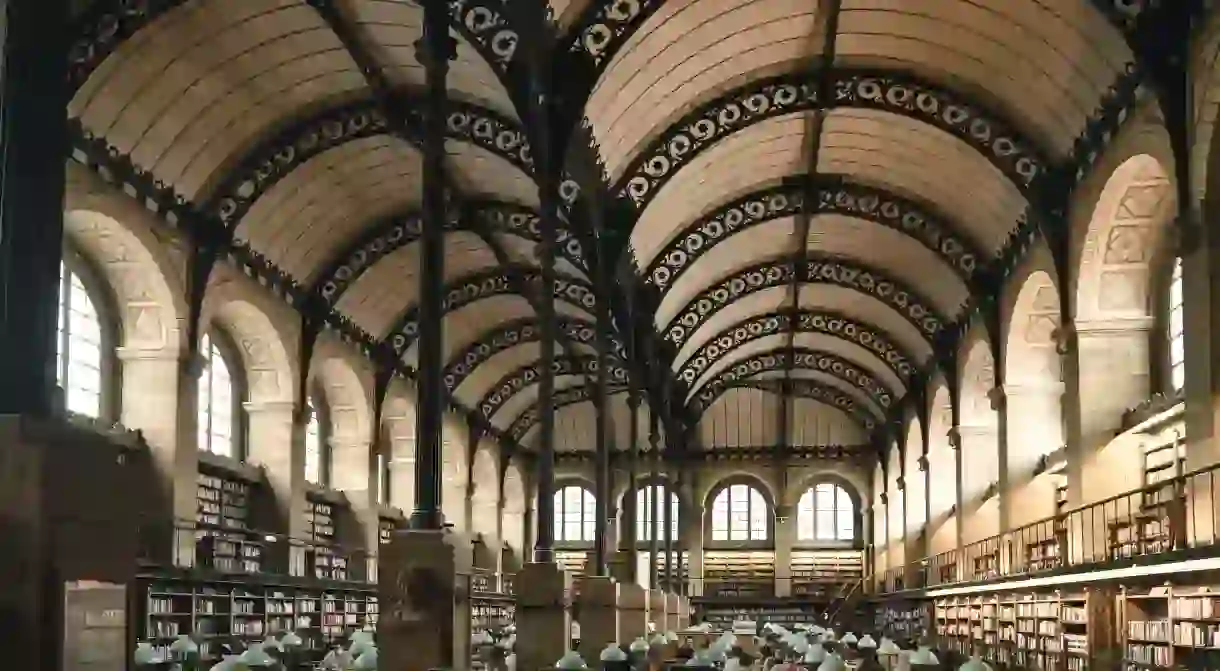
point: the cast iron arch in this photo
(392, 233)
(508, 335)
(1017, 157)
(605, 26)
(563, 398)
(528, 375)
(815, 390)
(486, 283)
(828, 322)
(836, 195)
(783, 359)
(279, 155)
(816, 269)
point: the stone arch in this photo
(979, 421)
(142, 264)
(914, 476)
(1033, 377)
(1124, 261)
(264, 330)
(513, 524)
(485, 499)
(398, 430)
(942, 473)
(345, 383)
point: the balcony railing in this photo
(1176, 515)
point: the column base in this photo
(656, 610)
(544, 624)
(425, 608)
(598, 615)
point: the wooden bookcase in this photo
(722, 613)
(823, 572)
(320, 520)
(904, 619)
(1171, 627)
(223, 541)
(739, 573)
(491, 611)
(1161, 513)
(221, 612)
(1036, 630)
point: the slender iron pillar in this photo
(654, 447)
(666, 511)
(548, 196)
(33, 143)
(628, 526)
(679, 580)
(434, 50)
(605, 494)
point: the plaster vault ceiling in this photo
(259, 112)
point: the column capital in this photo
(996, 396)
(923, 463)
(163, 353)
(885, 498)
(901, 483)
(1031, 389)
(267, 407)
(955, 438)
(1113, 327)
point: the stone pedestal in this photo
(632, 612)
(671, 612)
(543, 620)
(656, 609)
(622, 566)
(598, 615)
(69, 504)
(423, 585)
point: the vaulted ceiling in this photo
(811, 197)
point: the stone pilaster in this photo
(656, 609)
(598, 615)
(354, 472)
(543, 617)
(785, 538)
(672, 615)
(277, 443)
(632, 612)
(423, 584)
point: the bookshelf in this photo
(904, 619)
(1171, 627)
(822, 573)
(721, 614)
(573, 561)
(1040, 630)
(320, 521)
(223, 542)
(1160, 515)
(491, 611)
(739, 573)
(219, 613)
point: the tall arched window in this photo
(317, 444)
(825, 512)
(643, 512)
(739, 513)
(218, 402)
(575, 515)
(78, 361)
(1175, 329)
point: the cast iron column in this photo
(605, 495)
(548, 196)
(434, 50)
(654, 447)
(33, 144)
(627, 528)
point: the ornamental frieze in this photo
(849, 199)
(827, 270)
(903, 94)
(825, 322)
(487, 284)
(599, 36)
(525, 376)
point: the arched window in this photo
(575, 515)
(643, 512)
(739, 513)
(218, 402)
(317, 445)
(825, 512)
(1175, 329)
(78, 361)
